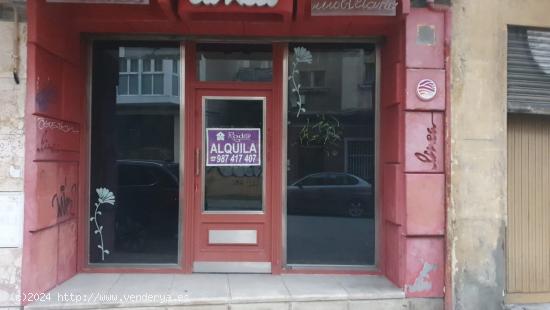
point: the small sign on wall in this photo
(11, 221)
(353, 7)
(233, 147)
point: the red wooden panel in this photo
(425, 267)
(414, 102)
(425, 201)
(56, 139)
(425, 38)
(391, 134)
(66, 263)
(74, 93)
(424, 134)
(56, 194)
(392, 193)
(393, 263)
(48, 83)
(40, 265)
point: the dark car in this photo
(147, 202)
(331, 193)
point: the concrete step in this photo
(230, 292)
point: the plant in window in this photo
(105, 196)
(325, 132)
(301, 55)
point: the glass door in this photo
(233, 216)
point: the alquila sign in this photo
(353, 7)
(270, 3)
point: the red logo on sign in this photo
(426, 89)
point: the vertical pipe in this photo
(15, 56)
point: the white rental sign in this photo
(270, 3)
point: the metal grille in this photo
(528, 70)
(360, 159)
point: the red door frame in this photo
(192, 186)
(203, 222)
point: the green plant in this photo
(326, 131)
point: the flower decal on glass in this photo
(104, 196)
(301, 55)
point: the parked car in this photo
(147, 202)
(331, 193)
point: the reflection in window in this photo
(330, 173)
(135, 154)
(147, 72)
(235, 62)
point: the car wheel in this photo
(356, 209)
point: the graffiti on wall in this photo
(56, 136)
(429, 155)
(63, 200)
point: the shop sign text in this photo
(103, 1)
(233, 147)
(353, 7)
(270, 3)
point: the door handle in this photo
(197, 162)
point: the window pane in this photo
(158, 85)
(123, 65)
(158, 64)
(230, 184)
(146, 84)
(135, 156)
(146, 65)
(330, 192)
(175, 85)
(175, 66)
(235, 62)
(134, 65)
(123, 84)
(133, 83)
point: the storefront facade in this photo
(237, 137)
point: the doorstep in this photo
(223, 291)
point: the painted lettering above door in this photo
(270, 3)
(353, 7)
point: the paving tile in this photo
(201, 288)
(261, 306)
(388, 304)
(369, 287)
(314, 287)
(143, 289)
(265, 288)
(199, 307)
(434, 304)
(320, 305)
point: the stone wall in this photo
(477, 206)
(12, 106)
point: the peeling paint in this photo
(422, 283)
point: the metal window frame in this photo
(203, 150)
(182, 107)
(377, 106)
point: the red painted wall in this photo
(54, 130)
(412, 196)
